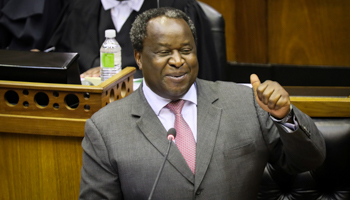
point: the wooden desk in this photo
(41, 132)
(321, 101)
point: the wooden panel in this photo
(323, 107)
(39, 167)
(312, 32)
(251, 31)
(42, 125)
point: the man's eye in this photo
(163, 53)
(186, 51)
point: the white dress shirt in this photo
(121, 10)
(167, 118)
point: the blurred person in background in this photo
(27, 25)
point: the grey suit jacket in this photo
(125, 143)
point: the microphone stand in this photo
(160, 170)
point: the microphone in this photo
(171, 137)
(171, 134)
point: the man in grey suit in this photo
(236, 129)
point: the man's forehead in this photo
(160, 19)
(164, 20)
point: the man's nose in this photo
(176, 59)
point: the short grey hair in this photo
(138, 30)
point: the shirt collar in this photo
(134, 4)
(157, 102)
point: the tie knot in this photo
(176, 106)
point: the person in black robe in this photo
(27, 25)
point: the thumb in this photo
(255, 81)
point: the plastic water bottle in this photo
(110, 56)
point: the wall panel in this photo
(309, 32)
(251, 31)
(296, 32)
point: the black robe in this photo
(28, 24)
(81, 29)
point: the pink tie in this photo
(184, 137)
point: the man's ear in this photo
(137, 56)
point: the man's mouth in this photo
(178, 76)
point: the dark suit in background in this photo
(81, 29)
(26, 25)
(235, 140)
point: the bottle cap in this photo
(110, 33)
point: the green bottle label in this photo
(107, 60)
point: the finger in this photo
(93, 72)
(85, 74)
(96, 72)
(282, 102)
(255, 81)
(270, 92)
(281, 96)
(266, 94)
(273, 99)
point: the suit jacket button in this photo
(199, 191)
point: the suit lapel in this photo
(155, 132)
(208, 120)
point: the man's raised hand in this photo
(271, 97)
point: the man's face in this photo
(169, 57)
